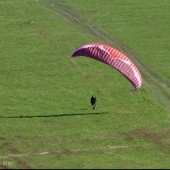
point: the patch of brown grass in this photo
(3, 167)
(159, 137)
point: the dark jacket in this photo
(93, 100)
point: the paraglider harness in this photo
(93, 101)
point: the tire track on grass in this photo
(107, 148)
(158, 86)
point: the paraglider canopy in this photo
(113, 58)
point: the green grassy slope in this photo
(44, 103)
(142, 25)
(158, 85)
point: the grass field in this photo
(46, 119)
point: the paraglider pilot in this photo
(93, 101)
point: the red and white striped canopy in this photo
(113, 58)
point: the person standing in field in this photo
(93, 101)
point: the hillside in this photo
(46, 119)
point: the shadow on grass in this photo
(57, 115)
